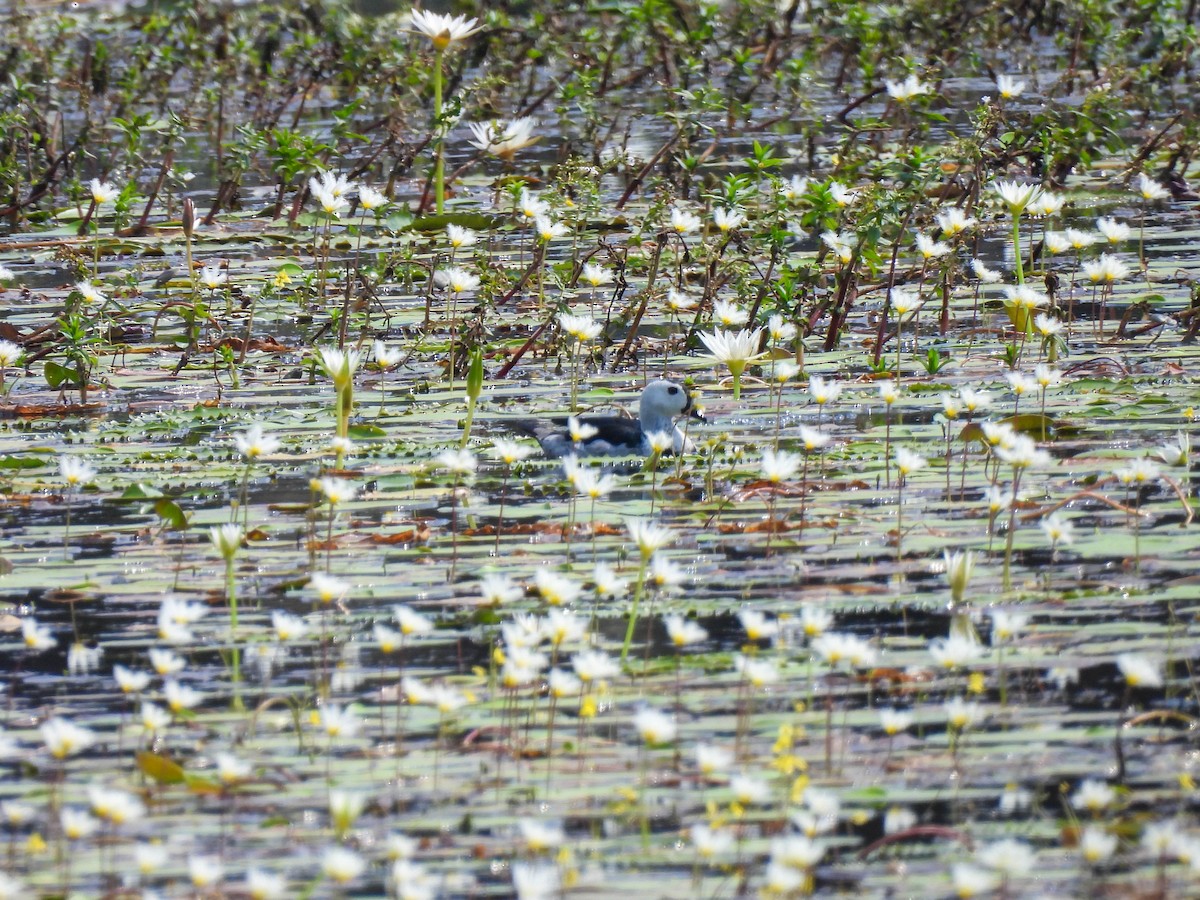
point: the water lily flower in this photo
(1138, 472)
(1047, 326)
(904, 301)
(903, 91)
(665, 574)
(264, 885)
(1176, 453)
(1150, 189)
(757, 672)
(227, 539)
(1020, 383)
(711, 842)
(594, 666)
(115, 806)
(1022, 296)
(149, 858)
(606, 582)
(841, 243)
(780, 880)
(1011, 858)
(165, 662)
(1047, 204)
(288, 627)
(677, 301)
(531, 205)
(410, 621)
(908, 461)
(931, 249)
(89, 293)
(713, 760)
(952, 221)
(1056, 242)
(64, 738)
(1007, 625)
(328, 589)
(1078, 239)
(1015, 195)
(541, 836)
(371, 199)
(1057, 528)
(442, 29)
(749, 789)
(1093, 795)
(333, 205)
(460, 237)
(504, 139)
(649, 536)
(10, 354)
(339, 722)
(596, 276)
(962, 714)
(75, 472)
(498, 590)
(103, 191)
(983, 274)
(337, 490)
(1113, 231)
(894, 721)
(1024, 453)
(1096, 845)
(972, 881)
(1140, 671)
(78, 823)
(898, 819)
(684, 222)
(153, 717)
(205, 871)
(1105, 270)
(814, 621)
(654, 727)
(780, 330)
(536, 881)
(1009, 86)
(728, 219)
(129, 680)
(179, 697)
(793, 191)
(581, 328)
(960, 565)
(563, 684)
(842, 195)
(456, 280)
(779, 465)
(254, 443)
(955, 652)
(37, 637)
(549, 230)
(554, 588)
(729, 315)
(213, 277)
(974, 400)
(756, 625)
(389, 639)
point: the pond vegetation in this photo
(291, 611)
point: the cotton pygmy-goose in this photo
(662, 403)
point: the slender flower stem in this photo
(633, 611)
(439, 166)
(235, 657)
(1016, 236)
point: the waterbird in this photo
(662, 402)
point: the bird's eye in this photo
(672, 390)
